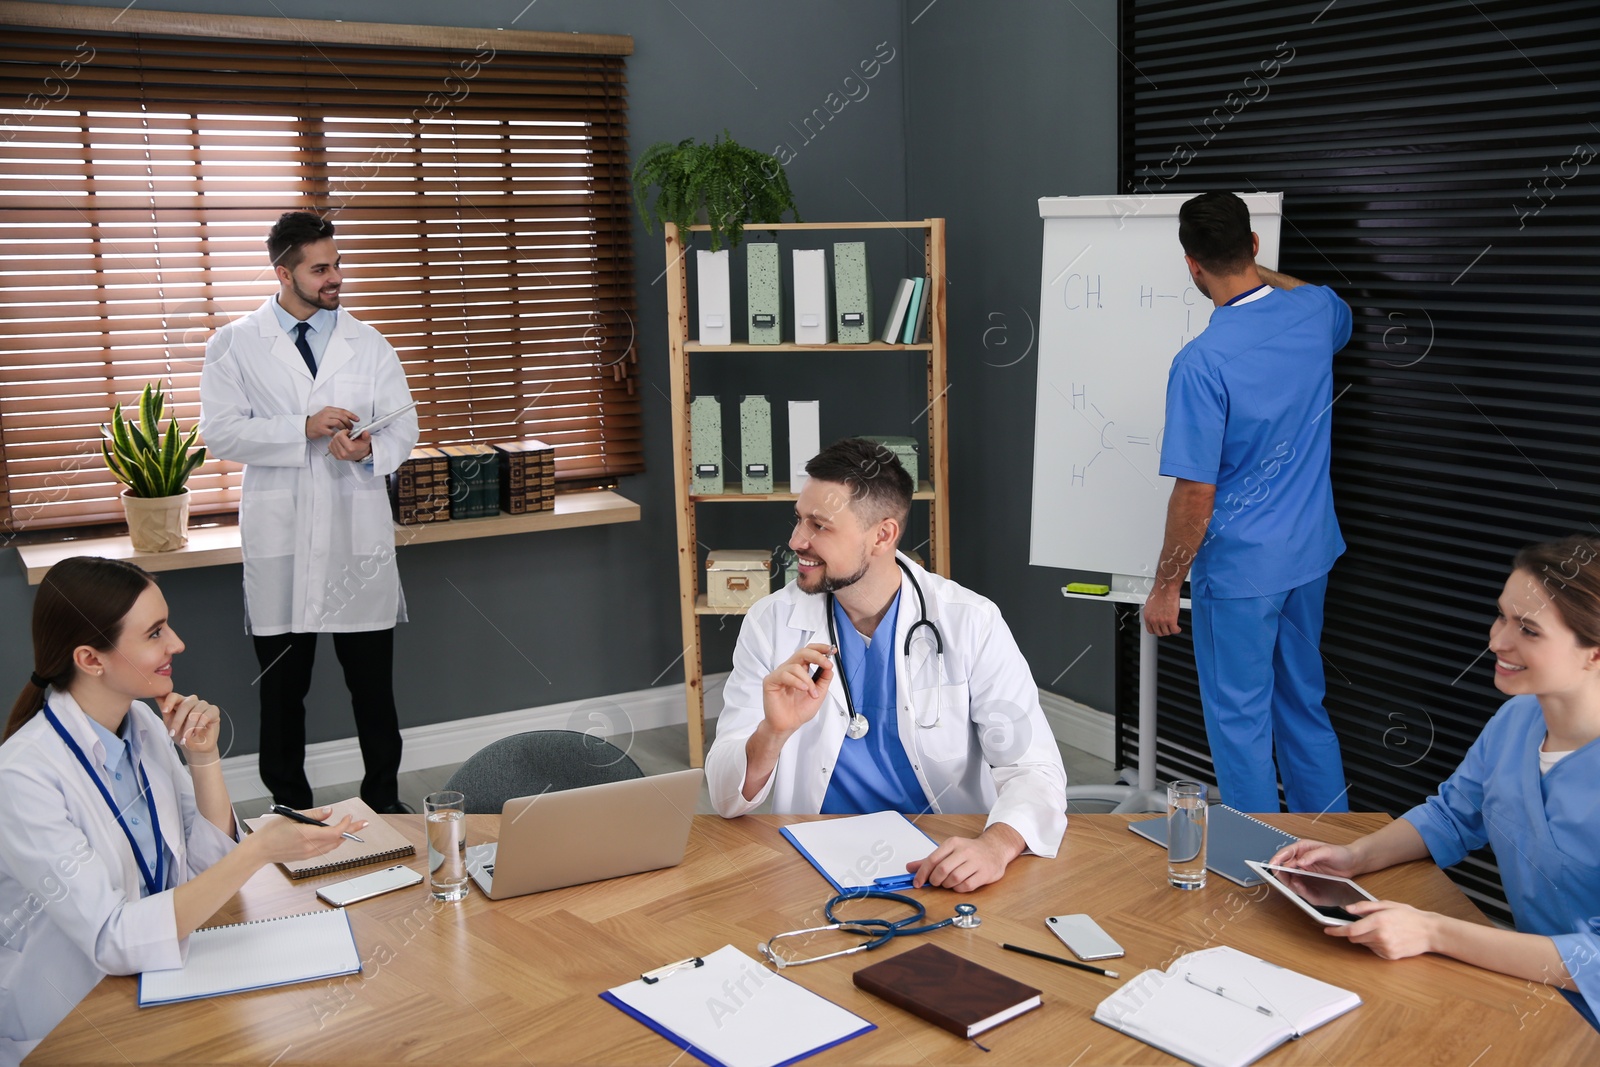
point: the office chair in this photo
(540, 761)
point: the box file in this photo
(852, 292)
(711, 274)
(765, 292)
(706, 475)
(812, 326)
(805, 440)
(755, 445)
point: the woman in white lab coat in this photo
(318, 539)
(111, 851)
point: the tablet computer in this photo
(1321, 896)
(382, 420)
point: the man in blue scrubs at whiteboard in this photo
(1247, 438)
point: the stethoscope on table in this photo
(876, 931)
(858, 722)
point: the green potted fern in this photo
(731, 184)
(155, 467)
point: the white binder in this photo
(716, 319)
(811, 317)
(805, 440)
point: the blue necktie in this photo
(304, 346)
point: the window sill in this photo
(214, 546)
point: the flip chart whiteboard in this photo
(1116, 303)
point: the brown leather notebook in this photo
(941, 987)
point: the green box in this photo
(706, 476)
(852, 292)
(755, 445)
(765, 286)
(904, 449)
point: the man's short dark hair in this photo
(291, 233)
(1214, 229)
(879, 486)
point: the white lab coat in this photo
(991, 751)
(317, 535)
(70, 909)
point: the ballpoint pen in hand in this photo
(289, 813)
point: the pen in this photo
(1223, 993)
(1058, 959)
(290, 813)
(894, 881)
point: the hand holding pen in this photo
(306, 820)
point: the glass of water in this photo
(1186, 835)
(446, 813)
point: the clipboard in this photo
(853, 852)
(727, 1010)
(383, 420)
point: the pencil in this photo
(1058, 959)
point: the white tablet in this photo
(382, 420)
(1321, 896)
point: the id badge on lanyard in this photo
(153, 882)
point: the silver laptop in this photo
(555, 840)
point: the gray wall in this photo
(983, 109)
(1010, 102)
(512, 622)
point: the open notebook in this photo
(1220, 1007)
(380, 842)
(256, 955)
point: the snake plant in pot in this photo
(733, 185)
(155, 467)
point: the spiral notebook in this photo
(380, 842)
(257, 955)
(1231, 838)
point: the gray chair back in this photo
(540, 761)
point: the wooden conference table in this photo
(517, 981)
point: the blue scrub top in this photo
(1248, 410)
(1543, 831)
(872, 773)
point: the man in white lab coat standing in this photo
(285, 391)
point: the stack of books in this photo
(420, 490)
(908, 314)
(527, 476)
(474, 480)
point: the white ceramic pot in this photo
(157, 523)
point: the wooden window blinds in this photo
(481, 201)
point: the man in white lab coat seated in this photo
(886, 722)
(285, 391)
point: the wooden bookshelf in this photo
(934, 490)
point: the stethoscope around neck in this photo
(857, 723)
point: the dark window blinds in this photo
(482, 204)
(1439, 164)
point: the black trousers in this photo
(368, 661)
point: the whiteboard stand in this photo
(1143, 797)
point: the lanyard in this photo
(153, 883)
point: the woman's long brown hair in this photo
(81, 601)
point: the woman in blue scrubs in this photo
(1529, 786)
